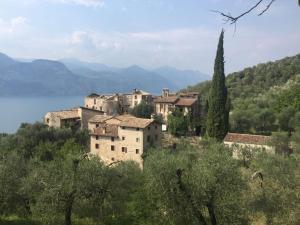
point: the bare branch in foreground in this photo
(232, 19)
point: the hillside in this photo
(264, 98)
(257, 79)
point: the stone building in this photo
(250, 141)
(121, 138)
(77, 117)
(113, 104)
(188, 103)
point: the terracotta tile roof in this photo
(123, 121)
(99, 118)
(247, 139)
(65, 114)
(170, 99)
(186, 101)
(106, 130)
(132, 121)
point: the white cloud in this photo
(193, 48)
(13, 26)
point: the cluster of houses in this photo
(117, 136)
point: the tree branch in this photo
(229, 18)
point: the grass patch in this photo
(14, 220)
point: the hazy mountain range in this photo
(73, 77)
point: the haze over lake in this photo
(16, 110)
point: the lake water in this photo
(15, 111)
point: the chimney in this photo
(166, 92)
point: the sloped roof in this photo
(99, 118)
(65, 114)
(93, 95)
(136, 123)
(132, 121)
(186, 101)
(247, 139)
(170, 99)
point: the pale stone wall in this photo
(111, 107)
(267, 148)
(163, 109)
(90, 102)
(86, 115)
(152, 135)
(133, 139)
(136, 99)
(52, 121)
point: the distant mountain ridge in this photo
(178, 78)
(43, 77)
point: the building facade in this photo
(76, 117)
(188, 103)
(113, 104)
(250, 141)
(122, 138)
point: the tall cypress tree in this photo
(218, 103)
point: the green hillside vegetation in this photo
(263, 97)
(47, 178)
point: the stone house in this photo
(248, 140)
(188, 103)
(78, 117)
(113, 104)
(121, 138)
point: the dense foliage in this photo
(178, 123)
(47, 177)
(218, 111)
(264, 98)
(142, 110)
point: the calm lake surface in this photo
(16, 110)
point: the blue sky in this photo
(149, 33)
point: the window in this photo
(137, 129)
(112, 159)
(94, 101)
(135, 97)
(156, 137)
(123, 128)
(124, 149)
(149, 128)
(112, 147)
(48, 120)
(155, 127)
(148, 138)
(112, 139)
(97, 137)
(135, 103)
(97, 125)
(137, 140)
(123, 138)
(100, 108)
(137, 151)
(97, 146)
